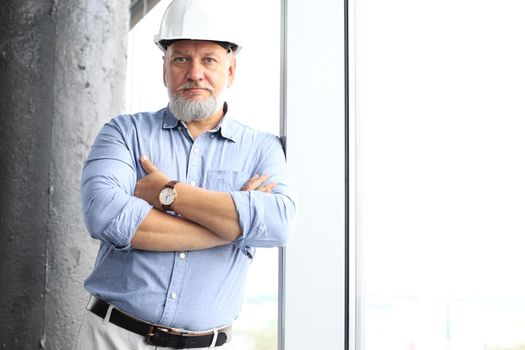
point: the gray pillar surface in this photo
(62, 71)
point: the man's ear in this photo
(231, 71)
(164, 70)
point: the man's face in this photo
(197, 73)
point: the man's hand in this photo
(255, 183)
(149, 187)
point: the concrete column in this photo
(62, 71)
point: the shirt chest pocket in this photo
(225, 180)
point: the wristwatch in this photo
(168, 195)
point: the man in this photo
(179, 200)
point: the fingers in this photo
(147, 164)
(267, 188)
(256, 183)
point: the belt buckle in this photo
(150, 334)
(154, 336)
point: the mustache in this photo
(192, 85)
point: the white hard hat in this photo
(211, 20)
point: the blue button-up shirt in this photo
(194, 290)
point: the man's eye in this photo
(209, 60)
(180, 59)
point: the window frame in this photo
(328, 322)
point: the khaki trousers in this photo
(95, 334)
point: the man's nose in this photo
(195, 71)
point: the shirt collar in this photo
(169, 121)
(227, 127)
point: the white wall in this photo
(314, 300)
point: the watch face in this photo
(167, 196)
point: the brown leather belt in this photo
(159, 335)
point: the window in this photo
(434, 194)
(439, 173)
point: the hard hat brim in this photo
(230, 47)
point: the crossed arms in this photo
(120, 205)
(210, 217)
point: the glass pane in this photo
(440, 190)
(253, 100)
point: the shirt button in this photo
(182, 255)
(173, 295)
(192, 183)
(196, 151)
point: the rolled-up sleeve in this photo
(111, 213)
(267, 219)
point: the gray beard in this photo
(189, 110)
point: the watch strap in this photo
(171, 184)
